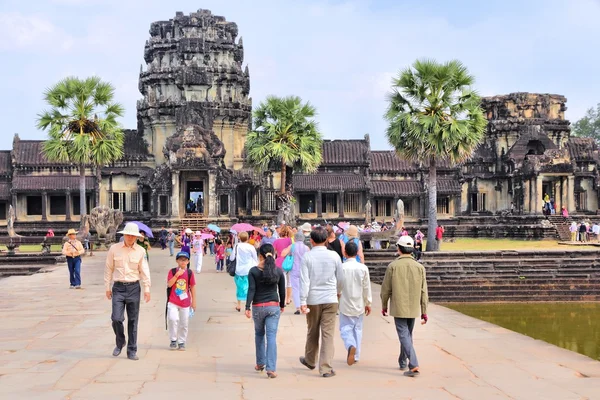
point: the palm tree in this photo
(285, 133)
(82, 126)
(434, 114)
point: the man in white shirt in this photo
(321, 279)
(355, 302)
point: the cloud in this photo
(31, 32)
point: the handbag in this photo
(288, 261)
(232, 264)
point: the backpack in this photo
(288, 261)
(173, 271)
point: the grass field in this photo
(34, 248)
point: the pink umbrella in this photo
(344, 225)
(242, 227)
(206, 236)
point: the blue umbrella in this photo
(214, 228)
(144, 227)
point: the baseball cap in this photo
(183, 254)
(405, 241)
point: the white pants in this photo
(351, 329)
(198, 262)
(178, 319)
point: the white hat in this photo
(131, 229)
(306, 227)
(198, 233)
(405, 241)
(188, 230)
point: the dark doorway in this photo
(307, 203)
(548, 187)
(194, 200)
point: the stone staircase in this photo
(504, 276)
(562, 226)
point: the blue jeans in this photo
(171, 248)
(74, 264)
(266, 321)
(404, 328)
(211, 246)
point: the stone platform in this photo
(55, 343)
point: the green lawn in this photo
(34, 248)
(482, 244)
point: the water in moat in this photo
(573, 326)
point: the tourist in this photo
(321, 279)
(246, 259)
(171, 242)
(351, 234)
(211, 245)
(596, 231)
(279, 245)
(418, 249)
(162, 238)
(419, 235)
(145, 243)
(220, 255)
(439, 235)
(180, 300)
(198, 251)
(405, 288)
(126, 265)
(355, 302)
(297, 249)
(186, 240)
(564, 212)
(332, 241)
(50, 233)
(228, 252)
(266, 288)
(306, 228)
(268, 238)
(73, 249)
(573, 229)
(582, 231)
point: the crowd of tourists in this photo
(585, 231)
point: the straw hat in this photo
(352, 232)
(71, 232)
(131, 229)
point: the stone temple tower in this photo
(194, 76)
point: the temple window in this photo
(163, 203)
(443, 205)
(34, 205)
(478, 202)
(307, 203)
(383, 207)
(535, 147)
(76, 208)
(58, 205)
(352, 202)
(582, 206)
(134, 202)
(329, 203)
(3, 207)
(408, 208)
(146, 202)
(119, 201)
(256, 201)
(224, 204)
(270, 202)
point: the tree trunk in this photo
(98, 181)
(82, 202)
(283, 176)
(432, 243)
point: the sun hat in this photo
(306, 227)
(198, 233)
(131, 229)
(405, 241)
(352, 232)
(70, 232)
(183, 254)
(188, 230)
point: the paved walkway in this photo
(55, 343)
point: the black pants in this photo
(126, 297)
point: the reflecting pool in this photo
(573, 326)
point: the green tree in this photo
(285, 133)
(433, 115)
(82, 126)
(589, 125)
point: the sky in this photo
(338, 55)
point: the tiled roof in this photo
(389, 162)
(5, 190)
(448, 186)
(396, 188)
(29, 152)
(329, 182)
(5, 162)
(52, 182)
(344, 152)
(583, 149)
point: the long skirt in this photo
(241, 286)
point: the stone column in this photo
(68, 205)
(175, 194)
(539, 194)
(211, 200)
(526, 197)
(319, 204)
(44, 206)
(262, 200)
(232, 203)
(571, 194)
(140, 200)
(341, 203)
(563, 192)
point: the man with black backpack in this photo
(181, 295)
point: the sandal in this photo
(271, 374)
(238, 309)
(259, 368)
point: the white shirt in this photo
(321, 276)
(356, 294)
(596, 229)
(246, 258)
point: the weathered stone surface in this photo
(105, 221)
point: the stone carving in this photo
(105, 221)
(194, 146)
(368, 217)
(10, 222)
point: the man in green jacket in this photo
(405, 285)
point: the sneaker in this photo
(181, 346)
(71, 287)
(77, 287)
(297, 312)
(412, 373)
(329, 374)
(173, 345)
